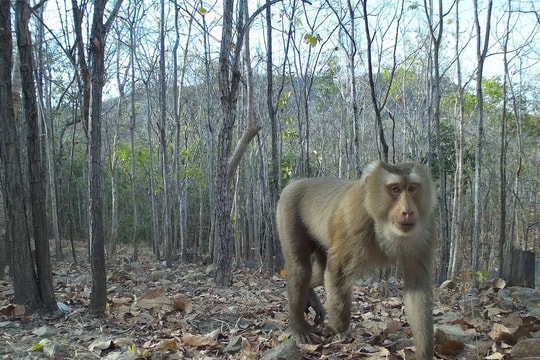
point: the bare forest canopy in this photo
(325, 87)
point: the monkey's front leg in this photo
(418, 306)
(338, 298)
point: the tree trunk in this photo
(24, 279)
(98, 296)
(478, 200)
(503, 240)
(44, 99)
(376, 107)
(272, 243)
(35, 161)
(152, 178)
(134, 193)
(435, 104)
(163, 143)
(457, 205)
(229, 80)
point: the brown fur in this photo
(334, 231)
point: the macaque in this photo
(334, 231)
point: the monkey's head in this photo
(399, 198)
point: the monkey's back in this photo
(312, 202)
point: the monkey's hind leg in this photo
(318, 263)
(315, 304)
(300, 293)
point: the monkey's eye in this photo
(411, 188)
(395, 189)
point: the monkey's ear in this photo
(369, 169)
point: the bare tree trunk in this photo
(229, 80)
(179, 180)
(151, 176)
(132, 125)
(113, 241)
(35, 159)
(436, 32)
(503, 240)
(350, 32)
(98, 296)
(166, 229)
(96, 238)
(457, 204)
(354, 91)
(251, 128)
(44, 103)
(275, 178)
(379, 105)
(376, 109)
(18, 237)
(481, 53)
(85, 76)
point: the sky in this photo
(524, 42)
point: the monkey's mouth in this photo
(405, 227)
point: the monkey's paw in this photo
(306, 334)
(335, 337)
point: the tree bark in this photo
(24, 279)
(457, 204)
(229, 80)
(98, 296)
(436, 32)
(503, 240)
(163, 143)
(481, 53)
(36, 171)
(275, 177)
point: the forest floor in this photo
(179, 313)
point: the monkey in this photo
(334, 231)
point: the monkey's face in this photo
(403, 214)
(399, 199)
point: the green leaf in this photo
(282, 101)
(311, 39)
(202, 11)
(39, 346)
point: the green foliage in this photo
(478, 276)
(288, 162)
(531, 126)
(414, 5)
(312, 39)
(282, 101)
(202, 11)
(494, 91)
(324, 84)
(142, 159)
(142, 353)
(189, 168)
(289, 133)
(447, 146)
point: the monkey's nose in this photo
(407, 212)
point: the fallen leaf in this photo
(198, 340)
(449, 348)
(182, 303)
(167, 345)
(250, 351)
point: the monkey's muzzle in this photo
(404, 227)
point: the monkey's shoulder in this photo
(321, 182)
